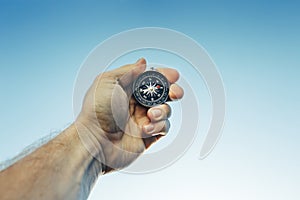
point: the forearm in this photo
(60, 169)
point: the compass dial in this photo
(151, 88)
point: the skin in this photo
(111, 131)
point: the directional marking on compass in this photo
(151, 88)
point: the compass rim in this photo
(142, 101)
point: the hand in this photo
(114, 124)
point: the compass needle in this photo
(154, 88)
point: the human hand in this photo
(115, 123)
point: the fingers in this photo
(176, 92)
(157, 128)
(154, 133)
(171, 74)
(159, 123)
(158, 113)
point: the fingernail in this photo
(156, 113)
(149, 128)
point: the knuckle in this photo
(167, 126)
(167, 110)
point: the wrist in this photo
(88, 165)
(76, 153)
(90, 138)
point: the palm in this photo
(117, 120)
(127, 116)
(121, 124)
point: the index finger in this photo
(171, 74)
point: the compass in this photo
(151, 88)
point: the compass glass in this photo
(151, 88)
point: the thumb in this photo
(128, 73)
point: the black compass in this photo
(151, 88)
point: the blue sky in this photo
(255, 45)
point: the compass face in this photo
(151, 88)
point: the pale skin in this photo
(65, 167)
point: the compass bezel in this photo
(138, 83)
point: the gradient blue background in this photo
(255, 44)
